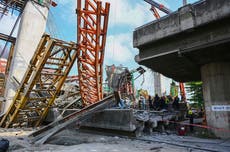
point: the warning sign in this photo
(221, 108)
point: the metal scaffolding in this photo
(12, 4)
(4, 75)
(41, 83)
(91, 38)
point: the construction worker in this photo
(150, 103)
(162, 103)
(176, 103)
(191, 116)
(121, 104)
(143, 106)
(156, 102)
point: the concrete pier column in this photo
(216, 91)
(157, 83)
(31, 28)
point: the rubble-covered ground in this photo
(72, 141)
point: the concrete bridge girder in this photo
(192, 44)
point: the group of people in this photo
(158, 103)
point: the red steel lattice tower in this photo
(92, 26)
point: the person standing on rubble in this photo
(142, 103)
(166, 102)
(139, 104)
(162, 103)
(156, 102)
(191, 117)
(176, 103)
(121, 104)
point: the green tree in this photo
(194, 89)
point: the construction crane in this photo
(161, 7)
(91, 39)
(166, 10)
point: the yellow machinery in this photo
(41, 83)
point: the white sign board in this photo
(221, 108)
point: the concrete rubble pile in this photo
(129, 120)
(69, 93)
(66, 103)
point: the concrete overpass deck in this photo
(178, 45)
(193, 44)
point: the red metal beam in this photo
(91, 38)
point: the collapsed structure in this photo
(50, 64)
(36, 80)
(192, 44)
(41, 83)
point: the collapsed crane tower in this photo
(91, 39)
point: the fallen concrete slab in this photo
(42, 135)
(115, 119)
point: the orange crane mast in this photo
(91, 38)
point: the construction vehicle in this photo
(166, 10)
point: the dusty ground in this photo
(73, 141)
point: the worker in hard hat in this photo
(142, 102)
(150, 103)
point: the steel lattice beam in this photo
(14, 4)
(91, 38)
(41, 83)
(8, 38)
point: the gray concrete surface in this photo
(73, 140)
(192, 44)
(192, 143)
(178, 44)
(116, 119)
(216, 89)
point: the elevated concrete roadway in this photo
(192, 44)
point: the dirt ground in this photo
(72, 141)
(83, 142)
